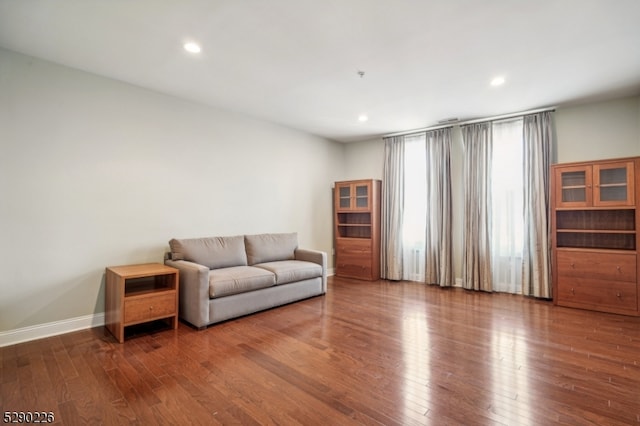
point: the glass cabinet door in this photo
(354, 196)
(613, 184)
(573, 186)
(362, 196)
(344, 194)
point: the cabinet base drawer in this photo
(354, 247)
(597, 295)
(604, 266)
(149, 307)
(354, 270)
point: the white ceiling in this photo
(296, 62)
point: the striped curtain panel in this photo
(536, 268)
(438, 247)
(476, 252)
(391, 258)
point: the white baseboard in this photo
(34, 332)
(40, 331)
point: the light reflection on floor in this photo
(417, 362)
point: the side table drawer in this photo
(149, 307)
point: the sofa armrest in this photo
(314, 256)
(194, 291)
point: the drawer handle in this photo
(619, 295)
(573, 292)
(151, 308)
(619, 269)
(573, 265)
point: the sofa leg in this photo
(193, 326)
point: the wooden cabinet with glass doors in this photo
(357, 229)
(595, 239)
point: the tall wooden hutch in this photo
(595, 235)
(357, 229)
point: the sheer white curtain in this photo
(414, 217)
(507, 232)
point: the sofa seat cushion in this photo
(287, 271)
(238, 279)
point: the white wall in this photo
(586, 132)
(600, 130)
(95, 173)
(364, 160)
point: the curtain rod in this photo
(475, 120)
(424, 129)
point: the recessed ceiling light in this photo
(497, 81)
(362, 118)
(192, 47)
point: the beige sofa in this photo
(227, 277)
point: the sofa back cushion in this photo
(213, 252)
(270, 247)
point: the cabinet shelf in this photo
(596, 231)
(146, 285)
(595, 240)
(613, 185)
(352, 218)
(596, 228)
(144, 293)
(354, 231)
(592, 250)
(596, 220)
(593, 208)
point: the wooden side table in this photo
(140, 293)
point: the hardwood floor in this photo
(366, 353)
